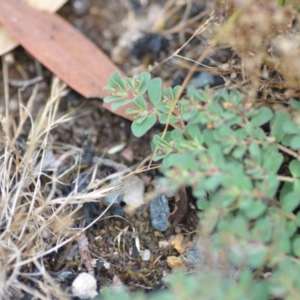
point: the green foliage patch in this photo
(234, 157)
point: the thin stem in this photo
(286, 179)
(288, 151)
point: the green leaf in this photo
(208, 135)
(271, 159)
(162, 107)
(195, 134)
(295, 103)
(189, 162)
(143, 80)
(287, 188)
(140, 102)
(294, 167)
(160, 142)
(176, 134)
(262, 230)
(290, 127)
(203, 204)
(291, 228)
(259, 134)
(256, 255)
(130, 111)
(176, 90)
(142, 118)
(269, 186)
(279, 118)
(239, 227)
(289, 202)
(196, 95)
(260, 290)
(296, 246)
(298, 219)
(118, 104)
(130, 82)
(255, 152)
(155, 90)
(283, 243)
(262, 116)
(297, 186)
(119, 81)
(109, 88)
(256, 210)
(286, 141)
(239, 152)
(295, 143)
(109, 99)
(217, 156)
(211, 183)
(163, 118)
(140, 129)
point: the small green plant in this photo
(243, 165)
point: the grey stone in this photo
(201, 80)
(80, 7)
(159, 211)
(114, 197)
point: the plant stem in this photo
(286, 179)
(288, 151)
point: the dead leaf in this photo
(181, 205)
(61, 48)
(174, 262)
(7, 42)
(177, 243)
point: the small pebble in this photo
(159, 211)
(80, 7)
(146, 255)
(84, 286)
(201, 80)
(64, 275)
(118, 223)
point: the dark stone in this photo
(159, 211)
(150, 43)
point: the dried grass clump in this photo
(265, 41)
(36, 219)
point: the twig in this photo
(288, 151)
(85, 252)
(25, 83)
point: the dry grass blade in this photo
(34, 221)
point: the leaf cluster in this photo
(242, 164)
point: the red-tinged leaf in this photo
(61, 48)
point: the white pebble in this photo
(84, 286)
(146, 255)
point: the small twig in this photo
(25, 83)
(287, 179)
(288, 151)
(85, 252)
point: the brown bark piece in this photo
(61, 48)
(180, 210)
